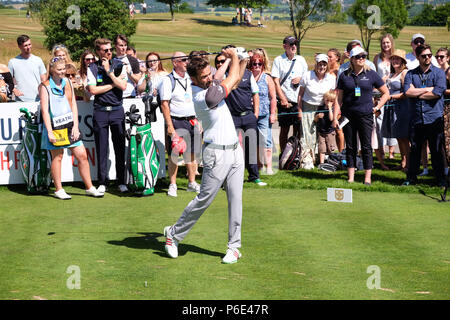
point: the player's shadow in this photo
(149, 240)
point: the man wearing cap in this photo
(411, 60)
(179, 114)
(352, 44)
(287, 71)
(425, 87)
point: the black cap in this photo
(290, 40)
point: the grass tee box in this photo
(296, 246)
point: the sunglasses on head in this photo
(419, 41)
(423, 56)
(440, 57)
(360, 56)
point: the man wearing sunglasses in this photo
(106, 80)
(411, 59)
(182, 125)
(425, 87)
(287, 71)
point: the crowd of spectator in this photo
(396, 99)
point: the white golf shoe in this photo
(61, 194)
(172, 192)
(171, 244)
(193, 187)
(232, 256)
(93, 192)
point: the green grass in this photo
(296, 246)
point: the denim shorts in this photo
(265, 128)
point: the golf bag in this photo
(142, 153)
(35, 163)
(290, 158)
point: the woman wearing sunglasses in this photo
(87, 57)
(267, 106)
(60, 131)
(355, 102)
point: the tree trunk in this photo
(291, 12)
(171, 12)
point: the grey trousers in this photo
(219, 167)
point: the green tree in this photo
(373, 16)
(77, 23)
(172, 4)
(432, 16)
(308, 14)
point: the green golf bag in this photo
(35, 163)
(143, 155)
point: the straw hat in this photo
(399, 53)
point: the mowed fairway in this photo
(296, 246)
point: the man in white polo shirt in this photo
(223, 159)
(287, 71)
(411, 59)
(179, 114)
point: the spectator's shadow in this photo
(218, 23)
(149, 240)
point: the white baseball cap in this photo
(417, 35)
(356, 51)
(321, 57)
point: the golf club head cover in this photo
(241, 53)
(178, 144)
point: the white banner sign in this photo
(11, 135)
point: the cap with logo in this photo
(417, 35)
(289, 40)
(321, 57)
(356, 51)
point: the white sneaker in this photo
(101, 188)
(172, 192)
(93, 192)
(424, 172)
(171, 244)
(61, 194)
(123, 188)
(193, 187)
(232, 256)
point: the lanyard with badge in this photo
(423, 79)
(357, 88)
(187, 96)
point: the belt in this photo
(107, 108)
(222, 146)
(183, 118)
(241, 114)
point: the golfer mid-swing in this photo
(223, 160)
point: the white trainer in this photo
(101, 188)
(193, 187)
(424, 172)
(93, 192)
(61, 194)
(232, 256)
(171, 244)
(123, 188)
(172, 192)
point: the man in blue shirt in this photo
(425, 87)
